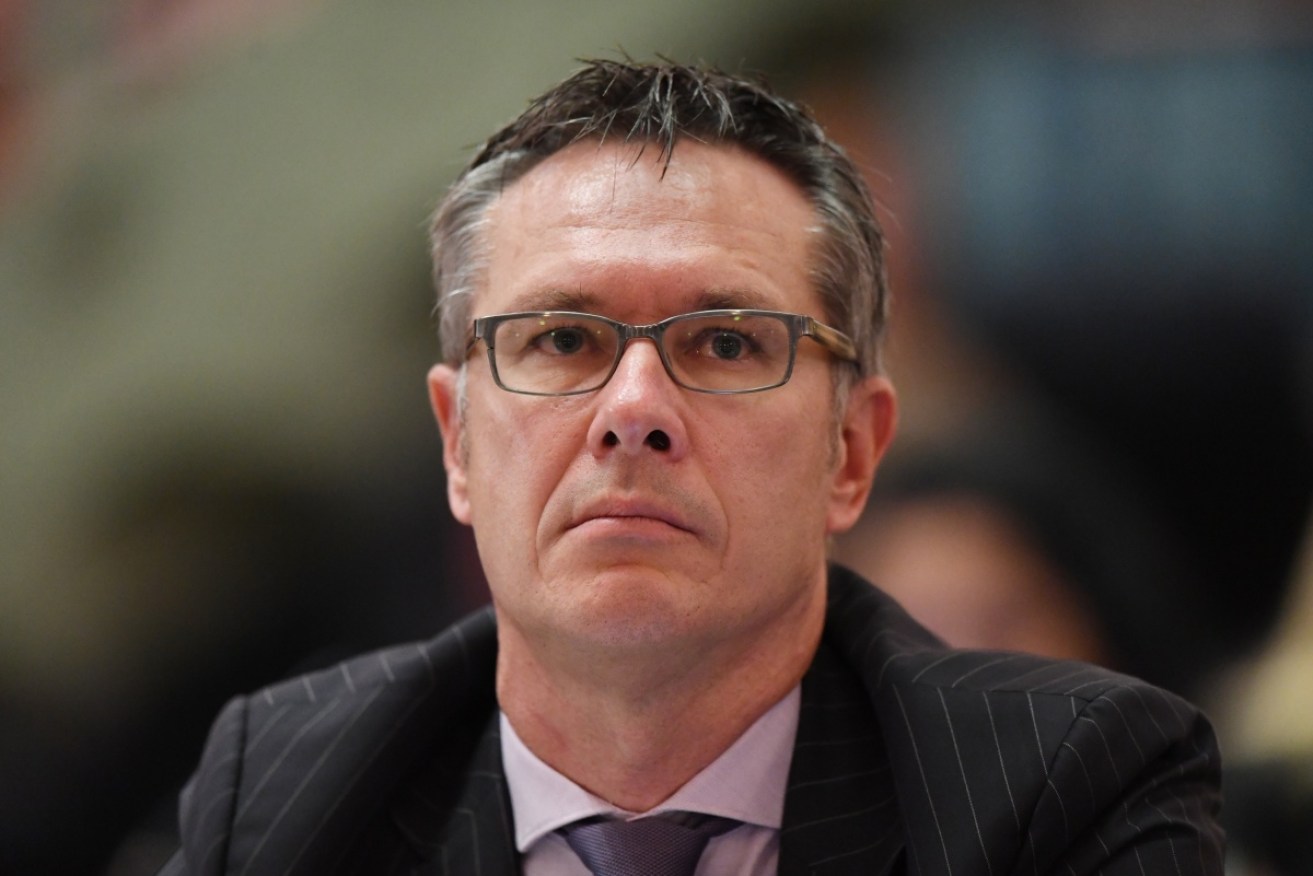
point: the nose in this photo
(639, 409)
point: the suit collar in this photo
(872, 632)
(456, 812)
(452, 808)
(840, 811)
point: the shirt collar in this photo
(746, 782)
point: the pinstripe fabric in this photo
(910, 758)
(1011, 764)
(840, 809)
(303, 778)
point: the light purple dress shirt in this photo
(745, 783)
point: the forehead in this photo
(619, 228)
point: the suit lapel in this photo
(456, 813)
(840, 811)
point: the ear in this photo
(864, 435)
(444, 396)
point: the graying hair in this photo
(658, 104)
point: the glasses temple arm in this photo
(831, 339)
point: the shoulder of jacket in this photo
(461, 656)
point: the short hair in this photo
(659, 104)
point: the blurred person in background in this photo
(1110, 197)
(1024, 537)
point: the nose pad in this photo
(656, 439)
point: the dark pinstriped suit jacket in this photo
(910, 758)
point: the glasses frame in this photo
(834, 341)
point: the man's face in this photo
(644, 514)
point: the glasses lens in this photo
(726, 352)
(554, 353)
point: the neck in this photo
(633, 729)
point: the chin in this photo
(637, 606)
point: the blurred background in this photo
(217, 464)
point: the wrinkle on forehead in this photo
(585, 301)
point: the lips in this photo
(637, 510)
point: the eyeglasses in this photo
(714, 351)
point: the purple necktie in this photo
(669, 844)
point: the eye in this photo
(547, 339)
(702, 345)
(727, 345)
(563, 341)
(720, 344)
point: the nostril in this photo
(610, 439)
(658, 440)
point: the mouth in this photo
(630, 515)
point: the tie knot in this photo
(669, 844)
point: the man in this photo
(661, 296)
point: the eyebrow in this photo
(731, 299)
(578, 300)
(553, 298)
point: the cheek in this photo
(516, 454)
(779, 484)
